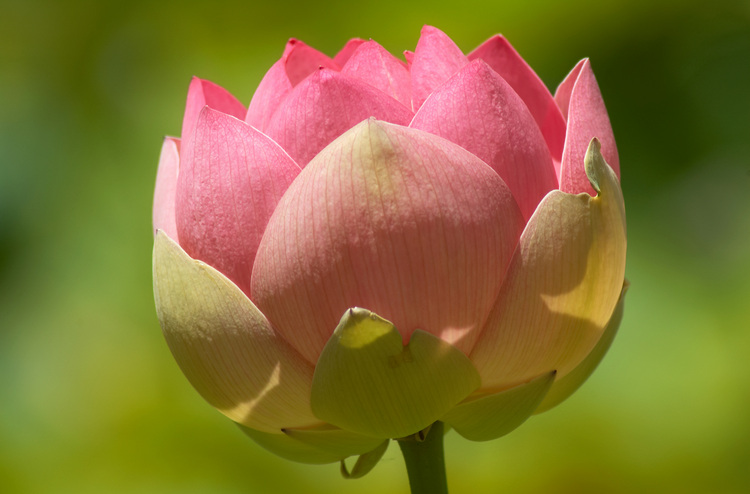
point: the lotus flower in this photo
(375, 245)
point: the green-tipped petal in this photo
(568, 385)
(365, 462)
(226, 347)
(562, 284)
(491, 416)
(368, 381)
(334, 440)
(289, 448)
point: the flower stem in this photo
(425, 462)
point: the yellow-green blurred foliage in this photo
(90, 398)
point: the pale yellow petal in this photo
(562, 284)
(225, 347)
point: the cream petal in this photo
(563, 388)
(225, 347)
(562, 284)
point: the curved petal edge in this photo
(225, 347)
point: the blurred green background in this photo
(90, 398)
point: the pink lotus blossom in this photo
(374, 245)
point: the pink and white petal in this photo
(402, 222)
(478, 110)
(346, 52)
(303, 60)
(587, 118)
(166, 187)
(231, 178)
(225, 347)
(373, 64)
(205, 93)
(561, 287)
(272, 89)
(323, 107)
(436, 59)
(505, 60)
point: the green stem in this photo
(425, 462)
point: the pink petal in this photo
(346, 52)
(560, 289)
(205, 93)
(505, 60)
(231, 179)
(392, 219)
(587, 118)
(166, 186)
(436, 59)
(298, 61)
(409, 57)
(373, 64)
(564, 90)
(479, 111)
(272, 89)
(302, 60)
(323, 107)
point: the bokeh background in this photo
(90, 398)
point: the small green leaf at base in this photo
(365, 462)
(491, 416)
(369, 382)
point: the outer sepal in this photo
(488, 417)
(368, 381)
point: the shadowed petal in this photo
(166, 187)
(489, 416)
(323, 107)
(505, 60)
(394, 219)
(374, 65)
(587, 118)
(479, 111)
(334, 440)
(227, 349)
(231, 178)
(563, 388)
(289, 448)
(435, 60)
(562, 284)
